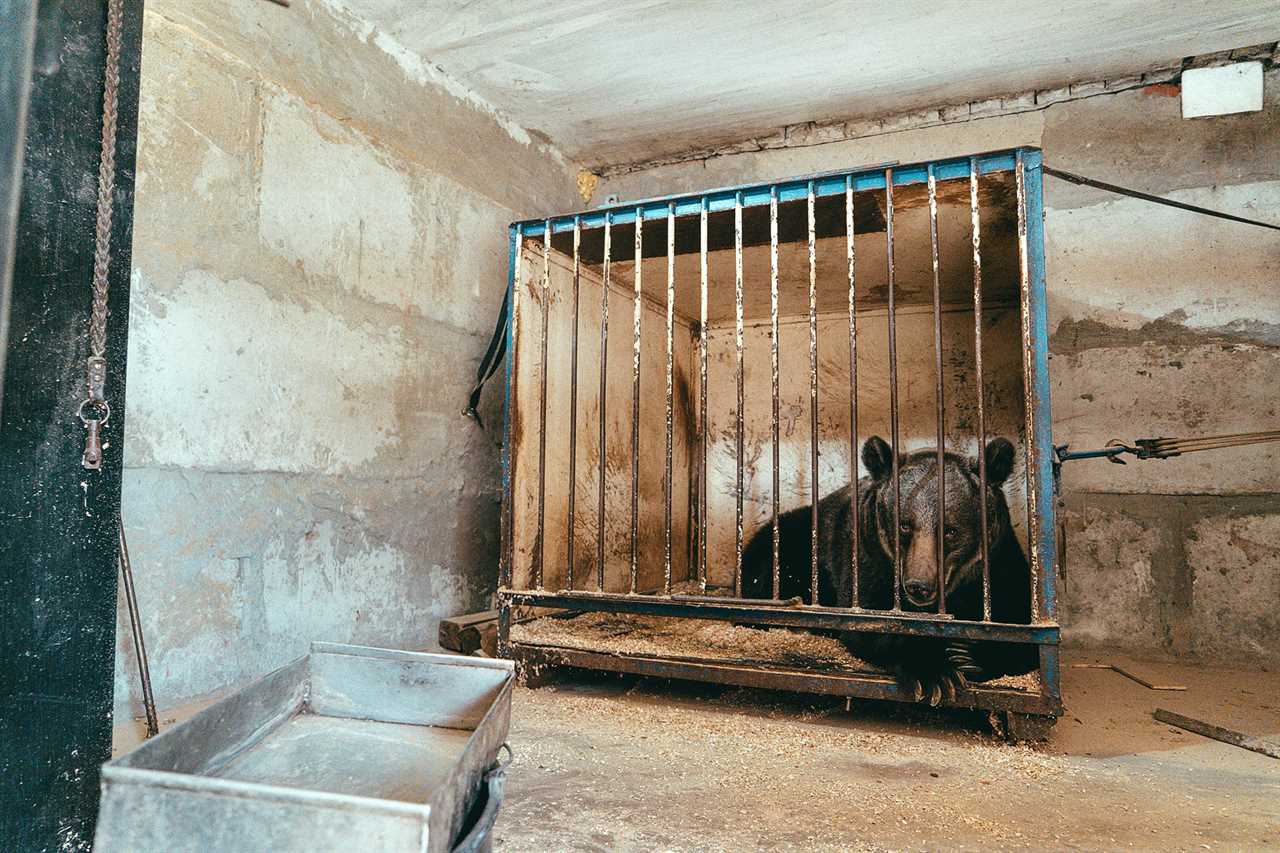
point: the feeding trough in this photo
(347, 748)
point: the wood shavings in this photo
(670, 637)
(632, 634)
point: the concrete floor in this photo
(608, 763)
(620, 763)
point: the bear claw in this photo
(960, 656)
(935, 689)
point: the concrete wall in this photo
(1163, 323)
(320, 253)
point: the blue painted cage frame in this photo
(1024, 164)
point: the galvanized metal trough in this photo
(348, 748)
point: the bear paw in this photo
(934, 687)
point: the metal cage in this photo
(561, 568)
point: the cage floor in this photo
(386, 761)
(637, 635)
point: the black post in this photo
(58, 521)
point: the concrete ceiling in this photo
(632, 80)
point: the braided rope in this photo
(106, 183)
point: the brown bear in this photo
(929, 668)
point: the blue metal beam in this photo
(792, 189)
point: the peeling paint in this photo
(1073, 337)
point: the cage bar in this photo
(739, 375)
(702, 396)
(668, 484)
(540, 564)
(512, 388)
(635, 408)
(854, 533)
(976, 217)
(604, 376)
(1028, 371)
(813, 397)
(775, 372)
(573, 401)
(938, 393)
(893, 395)
(506, 567)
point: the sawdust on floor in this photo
(619, 763)
(671, 637)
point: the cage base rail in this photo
(826, 618)
(861, 685)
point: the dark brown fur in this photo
(917, 660)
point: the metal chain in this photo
(96, 365)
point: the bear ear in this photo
(878, 457)
(999, 459)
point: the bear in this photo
(927, 668)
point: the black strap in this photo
(1102, 185)
(493, 356)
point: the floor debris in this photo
(1209, 730)
(1129, 675)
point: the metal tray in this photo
(347, 748)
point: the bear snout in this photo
(920, 592)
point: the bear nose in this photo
(918, 589)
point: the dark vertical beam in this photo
(58, 521)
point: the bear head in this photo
(917, 526)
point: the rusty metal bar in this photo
(975, 217)
(938, 393)
(635, 406)
(813, 397)
(604, 376)
(739, 375)
(760, 612)
(893, 394)
(541, 539)
(854, 533)
(514, 408)
(573, 400)
(1024, 294)
(702, 396)
(759, 675)
(135, 628)
(668, 485)
(776, 374)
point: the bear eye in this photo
(905, 528)
(950, 533)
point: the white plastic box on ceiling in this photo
(1222, 90)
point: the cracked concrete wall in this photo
(1163, 323)
(320, 252)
